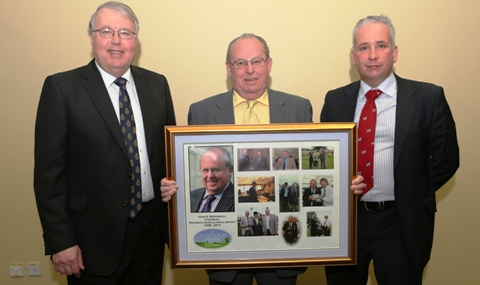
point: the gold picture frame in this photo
(221, 240)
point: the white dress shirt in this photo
(113, 90)
(383, 182)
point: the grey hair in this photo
(119, 7)
(247, 36)
(384, 19)
(227, 158)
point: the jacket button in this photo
(128, 176)
(125, 203)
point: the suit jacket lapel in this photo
(227, 200)
(350, 103)
(278, 111)
(95, 87)
(196, 198)
(223, 113)
(141, 85)
(406, 106)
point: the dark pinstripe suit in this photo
(226, 203)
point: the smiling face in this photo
(114, 55)
(251, 82)
(215, 174)
(373, 54)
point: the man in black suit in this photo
(415, 153)
(217, 194)
(312, 195)
(248, 65)
(284, 196)
(244, 161)
(83, 176)
(257, 225)
(252, 193)
(314, 226)
(260, 162)
(290, 231)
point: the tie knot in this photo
(373, 94)
(251, 103)
(121, 82)
(210, 198)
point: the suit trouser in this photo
(263, 276)
(142, 258)
(379, 238)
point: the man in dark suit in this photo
(314, 226)
(217, 195)
(415, 153)
(290, 231)
(248, 64)
(257, 225)
(252, 193)
(83, 176)
(260, 162)
(244, 161)
(312, 195)
(284, 195)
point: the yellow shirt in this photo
(261, 108)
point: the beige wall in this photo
(186, 40)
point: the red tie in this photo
(366, 139)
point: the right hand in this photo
(168, 188)
(69, 261)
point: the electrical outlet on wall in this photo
(33, 268)
(16, 269)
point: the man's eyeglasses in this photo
(109, 33)
(242, 64)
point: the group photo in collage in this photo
(285, 191)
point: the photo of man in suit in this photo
(93, 123)
(250, 101)
(257, 225)
(286, 162)
(311, 195)
(260, 162)
(217, 193)
(247, 224)
(315, 227)
(284, 197)
(290, 231)
(269, 224)
(244, 160)
(252, 193)
(414, 140)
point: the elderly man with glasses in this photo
(99, 158)
(250, 101)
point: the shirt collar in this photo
(108, 79)
(218, 196)
(388, 87)
(237, 99)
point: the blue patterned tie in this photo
(208, 205)
(129, 131)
